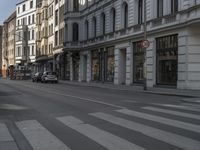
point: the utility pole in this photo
(145, 47)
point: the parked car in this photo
(37, 77)
(49, 76)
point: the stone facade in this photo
(8, 48)
(172, 59)
(25, 51)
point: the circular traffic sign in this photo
(145, 43)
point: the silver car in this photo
(49, 76)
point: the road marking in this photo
(81, 98)
(170, 138)
(170, 122)
(102, 137)
(172, 112)
(39, 137)
(4, 133)
(182, 107)
(12, 107)
(6, 140)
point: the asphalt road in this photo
(35, 116)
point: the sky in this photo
(7, 7)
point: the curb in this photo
(136, 90)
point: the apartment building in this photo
(104, 41)
(50, 35)
(45, 36)
(25, 53)
(9, 43)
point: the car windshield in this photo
(51, 73)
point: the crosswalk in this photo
(41, 138)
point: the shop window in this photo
(109, 64)
(138, 62)
(95, 65)
(167, 59)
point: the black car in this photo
(37, 77)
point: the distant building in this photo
(1, 37)
(50, 36)
(25, 51)
(8, 49)
(103, 40)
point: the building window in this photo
(167, 60)
(33, 50)
(113, 19)
(95, 65)
(33, 19)
(174, 6)
(75, 32)
(140, 11)
(31, 4)
(29, 20)
(56, 17)
(18, 10)
(109, 64)
(86, 30)
(33, 34)
(76, 5)
(159, 8)
(103, 23)
(24, 7)
(125, 15)
(56, 38)
(94, 22)
(138, 62)
(18, 22)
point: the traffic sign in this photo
(145, 43)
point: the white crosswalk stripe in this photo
(5, 138)
(170, 138)
(102, 137)
(39, 137)
(172, 112)
(181, 107)
(174, 123)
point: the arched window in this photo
(113, 19)
(86, 30)
(125, 15)
(94, 24)
(75, 32)
(140, 11)
(103, 23)
(75, 5)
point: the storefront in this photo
(103, 64)
(138, 62)
(167, 60)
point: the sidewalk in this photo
(189, 95)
